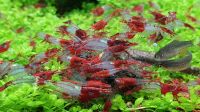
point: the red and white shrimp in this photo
(101, 24)
(44, 56)
(15, 70)
(73, 31)
(67, 45)
(105, 73)
(136, 23)
(39, 59)
(156, 33)
(170, 21)
(125, 82)
(56, 41)
(175, 87)
(85, 92)
(42, 77)
(26, 79)
(123, 36)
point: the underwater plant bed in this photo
(116, 56)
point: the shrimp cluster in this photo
(101, 66)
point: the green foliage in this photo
(15, 14)
(138, 101)
(118, 103)
(29, 98)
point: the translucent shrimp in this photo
(95, 44)
(4, 68)
(25, 79)
(69, 88)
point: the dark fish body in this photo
(172, 49)
(178, 64)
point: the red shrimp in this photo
(77, 62)
(175, 87)
(105, 73)
(99, 25)
(5, 46)
(138, 8)
(120, 42)
(107, 106)
(160, 18)
(136, 24)
(20, 30)
(93, 89)
(43, 76)
(32, 43)
(85, 92)
(189, 26)
(2, 88)
(167, 30)
(127, 35)
(37, 60)
(73, 31)
(98, 11)
(125, 82)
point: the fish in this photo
(177, 64)
(172, 49)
